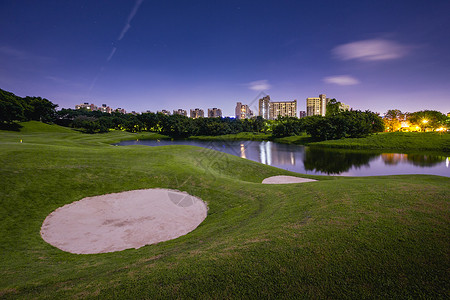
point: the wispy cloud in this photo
(130, 17)
(22, 55)
(371, 50)
(259, 85)
(341, 80)
(63, 81)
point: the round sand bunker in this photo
(120, 221)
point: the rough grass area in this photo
(394, 141)
(339, 237)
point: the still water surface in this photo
(316, 161)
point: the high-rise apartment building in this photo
(271, 110)
(264, 107)
(180, 111)
(243, 111)
(282, 109)
(302, 114)
(316, 106)
(197, 113)
(214, 113)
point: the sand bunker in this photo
(285, 179)
(120, 221)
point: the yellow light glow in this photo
(424, 121)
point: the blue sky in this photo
(152, 55)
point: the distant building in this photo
(85, 105)
(282, 109)
(271, 110)
(104, 108)
(316, 106)
(180, 111)
(121, 110)
(214, 113)
(243, 111)
(264, 107)
(302, 114)
(197, 113)
(164, 112)
(344, 107)
(92, 107)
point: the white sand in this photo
(285, 179)
(120, 221)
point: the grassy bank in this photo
(394, 141)
(335, 238)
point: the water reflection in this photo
(322, 161)
(277, 154)
(334, 161)
(243, 151)
(419, 160)
(265, 153)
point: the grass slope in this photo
(429, 141)
(335, 238)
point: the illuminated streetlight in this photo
(424, 121)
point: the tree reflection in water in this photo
(335, 161)
(419, 160)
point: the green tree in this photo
(427, 119)
(11, 107)
(333, 108)
(393, 119)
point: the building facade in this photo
(214, 113)
(271, 110)
(282, 109)
(243, 111)
(197, 113)
(317, 106)
(264, 107)
(302, 114)
(180, 111)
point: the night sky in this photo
(153, 55)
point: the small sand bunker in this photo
(120, 221)
(285, 179)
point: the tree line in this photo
(336, 124)
(15, 108)
(395, 120)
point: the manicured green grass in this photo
(372, 237)
(429, 141)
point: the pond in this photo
(307, 160)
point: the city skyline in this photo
(141, 55)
